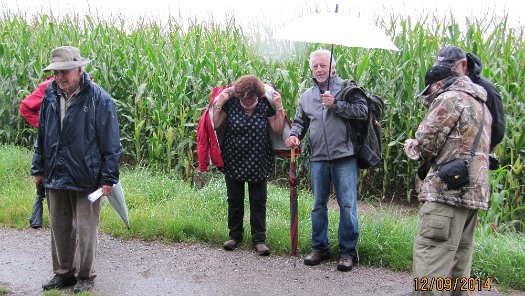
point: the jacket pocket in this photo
(435, 219)
(93, 166)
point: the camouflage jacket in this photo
(447, 133)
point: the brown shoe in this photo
(345, 264)
(231, 245)
(316, 257)
(262, 249)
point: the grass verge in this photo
(164, 208)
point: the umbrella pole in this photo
(293, 204)
(331, 53)
(330, 68)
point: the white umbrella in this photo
(118, 203)
(335, 28)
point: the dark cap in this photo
(450, 54)
(435, 74)
(474, 65)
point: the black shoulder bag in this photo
(455, 172)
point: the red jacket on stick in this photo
(207, 143)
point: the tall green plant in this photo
(161, 75)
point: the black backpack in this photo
(369, 134)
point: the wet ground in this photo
(136, 267)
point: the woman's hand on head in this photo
(223, 97)
(277, 100)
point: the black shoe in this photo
(345, 264)
(231, 245)
(83, 286)
(316, 257)
(262, 249)
(59, 281)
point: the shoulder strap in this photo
(478, 135)
(348, 90)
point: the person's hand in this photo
(224, 96)
(327, 100)
(38, 179)
(411, 149)
(292, 142)
(106, 190)
(277, 100)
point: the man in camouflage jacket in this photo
(444, 243)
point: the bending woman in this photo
(246, 150)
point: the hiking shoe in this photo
(316, 257)
(84, 285)
(59, 281)
(231, 245)
(345, 264)
(262, 249)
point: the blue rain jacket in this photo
(84, 154)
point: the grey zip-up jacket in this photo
(331, 134)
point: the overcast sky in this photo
(274, 11)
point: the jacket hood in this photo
(466, 85)
(474, 65)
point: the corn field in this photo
(161, 75)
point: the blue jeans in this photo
(343, 173)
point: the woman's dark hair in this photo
(248, 86)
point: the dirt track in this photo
(151, 268)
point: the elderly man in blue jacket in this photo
(77, 151)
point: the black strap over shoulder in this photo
(478, 135)
(348, 90)
(347, 93)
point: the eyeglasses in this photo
(249, 97)
(62, 72)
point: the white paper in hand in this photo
(95, 195)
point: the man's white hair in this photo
(325, 52)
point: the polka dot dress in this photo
(246, 149)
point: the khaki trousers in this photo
(74, 222)
(443, 248)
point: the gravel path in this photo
(136, 267)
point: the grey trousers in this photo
(443, 248)
(74, 222)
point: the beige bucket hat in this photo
(65, 58)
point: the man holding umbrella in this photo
(332, 157)
(77, 151)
